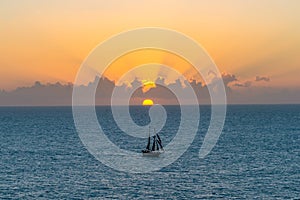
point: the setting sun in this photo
(147, 102)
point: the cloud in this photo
(40, 94)
(245, 84)
(262, 78)
(228, 78)
(210, 72)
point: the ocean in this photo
(256, 157)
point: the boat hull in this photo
(152, 153)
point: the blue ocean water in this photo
(257, 156)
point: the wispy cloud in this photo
(262, 78)
(245, 84)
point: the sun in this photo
(147, 102)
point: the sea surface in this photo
(256, 157)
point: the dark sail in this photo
(148, 145)
(157, 147)
(153, 145)
(159, 141)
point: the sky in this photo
(48, 40)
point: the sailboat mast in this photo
(159, 142)
(157, 147)
(153, 144)
(148, 145)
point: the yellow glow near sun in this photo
(147, 85)
(147, 102)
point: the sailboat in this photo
(156, 148)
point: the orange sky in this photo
(47, 40)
